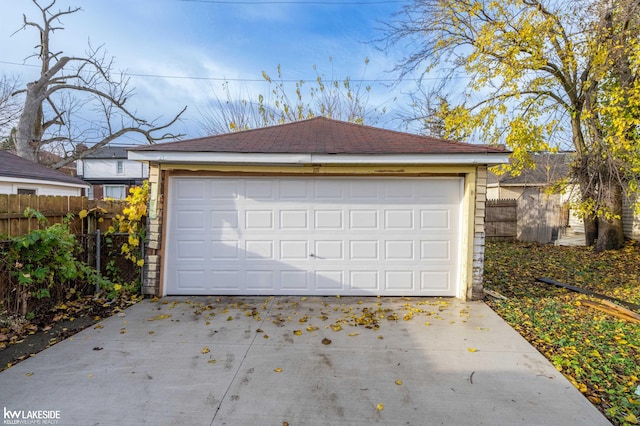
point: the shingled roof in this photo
(321, 135)
(17, 167)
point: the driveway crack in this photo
(241, 363)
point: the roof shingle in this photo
(322, 135)
(13, 166)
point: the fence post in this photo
(98, 259)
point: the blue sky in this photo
(177, 51)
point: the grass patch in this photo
(597, 352)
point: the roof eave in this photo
(490, 159)
(34, 181)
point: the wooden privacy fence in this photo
(501, 220)
(55, 209)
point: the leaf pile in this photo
(597, 352)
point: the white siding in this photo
(107, 169)
(41, 188)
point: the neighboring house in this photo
(22, 176)
(110, 173)
(317, 207)
(542, 215)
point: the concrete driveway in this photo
(296, 361)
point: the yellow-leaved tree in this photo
(537, 74)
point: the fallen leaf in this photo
(205, 350)
(326, 341)
(312, 328)
(230, 318)
(380, 407)
(278, 370)
(336, 327)
(28, 374)
(212, 361)
(472, 349)
(89, 376)
(398, 382)
(353, 334)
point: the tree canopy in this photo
(539, 75)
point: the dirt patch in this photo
(30, 345)
(21, 339)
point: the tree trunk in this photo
(590, 231)
(610, 233)
(28, 138)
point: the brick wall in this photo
(479, 233)
(151, 284)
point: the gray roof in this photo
(108, 151)
(17, 167)
(321, 135)
(549, 169)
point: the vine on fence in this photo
(131, 222)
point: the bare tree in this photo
(69, 84)
(332, 97)
(9, 109)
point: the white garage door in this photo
(313, 236)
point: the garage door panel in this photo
(363, 250)
(399, 250)
(399, 281)
(363, 220)
(328, 189)
(320, 236)
(398, 219)
(331, 280)
(435, 281)
(225, 250)
(221, 189)
(328, 220)
(294, 280)
(260, 280)
(190, 220)
(259, 249)
(190, 280)
(434, 250)
(225, 280)
(329, 250)
(258, 219)
(435, 219)
(294, 219)
(191, 250)
(365, 281)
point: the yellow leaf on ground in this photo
(205, 350)
(336, 327)
(278, 370)
(28, 374)
(297, 332)
(398, 382)
(380, 407)
(471, 349)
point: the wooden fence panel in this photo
(55, 209)
(501, 220)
